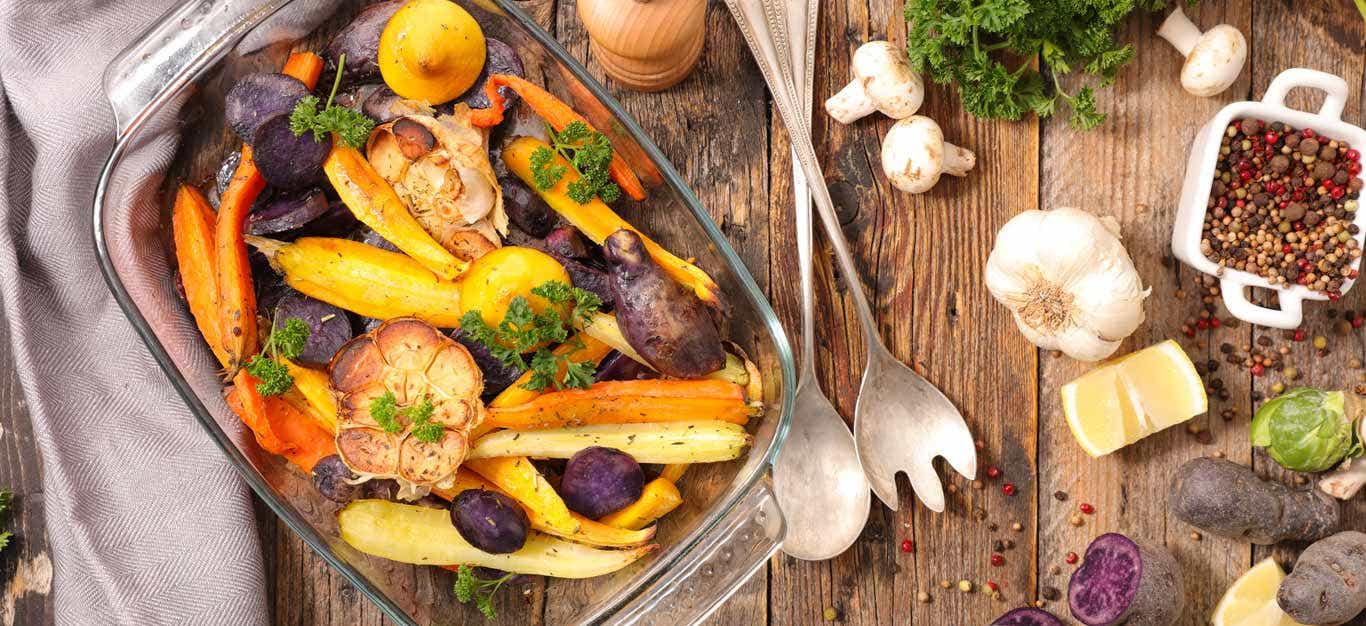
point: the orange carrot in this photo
(192, 229)
(556, 113)
(627, 402)
(250, 406)
(280, 427)
(236, 293)
(592, 352)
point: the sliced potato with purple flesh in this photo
(704, 441)
(422, 536)
(414, 362)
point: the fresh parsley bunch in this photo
(590, 154)
(266, 367)
(964, 42)
(523, 329)
(470, 587)
(352, 126)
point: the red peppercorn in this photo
(1307, 133)
(993, 586)
(978, 444)
(1337, 192)
(1214, 322)
(1285, 249)
(1354, 168)
(1272, 137)
(1283, 204)
(1087, 508)
(1071, 558)
(1299, 334)
(1352, 154)
(1190, 332)
(908, 546)
(1202, 325)
(1258, 369)
(1334, 296)
(1008, 489)
(993, 471)
(1246, 175)
(1357, 321)
(997, 560)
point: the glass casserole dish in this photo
(166, 93)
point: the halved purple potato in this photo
(568, 242)
(258, 97)
(287, 212)
(617, 366)
(599, 481)
(328, 326)
(497, 375)
(286, 160)
(371, 238)
(354, 97)
(490, 521)
(501, 59)
(336, 221)
(385, 106)
(671, 329)
(359, 41)
(334, 480)
(525, 208)
(1123, 582)
(1027, 617)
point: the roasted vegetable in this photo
(628, 401)
(1308, 430)
(236, 292)
(586, 267)
(1328, 584)
(618, 366)
(502, 59)
(1027, 617)
(658, 498)
(287, 160)
(383, 380)
(703, 441)
(497, 374)
(364, 279)
(328, 326)
(591, 352)
(192, 229)
(359, 42)
(384, 105)
(1123, 582)
(526, 209)
(423, 536)
(490, 521)
(597, 221)
(672, 330)
(431, 51)
(334, 480)
(313, 388)
(255, 98)
(494, 280)
(280, 427)
(1228, 499)
(377, 206)
(598, 481)
(287, 212)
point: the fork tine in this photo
(925, 482)
(960, 451)
(884, 486)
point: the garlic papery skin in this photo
(1068, 281)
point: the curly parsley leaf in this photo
(588, 152)
(283, 343)
(469, 587)
(353, 127)
(385, 410)
(523, 330)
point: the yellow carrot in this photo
(658, 498)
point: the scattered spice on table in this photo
(1076, 520)
(907, 546)
(924, 597)
(993, 471)
(965, 586)
(945, 584)
(997, 560)
(1087, 508)
(1051, 594)
(1060, 496)
(1008, 489)
(1071, 558)
(1016, 526)
(1195, 536)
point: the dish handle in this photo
(1333, 87)
(1288, 316)
(186, 40)
(708, 574)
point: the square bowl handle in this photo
(1334, 88)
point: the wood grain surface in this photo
(921, 259)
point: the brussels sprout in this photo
(1307, 429)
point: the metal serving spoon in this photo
(901, 421)
(817, 477)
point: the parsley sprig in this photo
(523, 329)
(352, 126)
(469, 587)
(6, 499)
(588, 152)
(386, 411)
(962, 41)
(266, 367)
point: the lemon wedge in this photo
(1134, 396)
(1251, 600)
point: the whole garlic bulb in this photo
(1068, 281)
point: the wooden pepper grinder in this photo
(648, 45)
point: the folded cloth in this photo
(147, 522)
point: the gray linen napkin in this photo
(147, 522)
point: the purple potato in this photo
(1122, 582)
(497, 375)
(370, 323)
(333, 479)
(354, 97)
(490, 521)
(371, 238)
(336, 221)
(525, 208)
(1027, 617)
(670, 328)
(257, 98)
(568, 242)
(359, 41)
(287, 212)
(380, 489)
(328, 326)
(589, 278)
(501, 59)
(617, 366)
(286, 160)
(1326, 585)
(270, 285)
(384, 106)
(600, 481)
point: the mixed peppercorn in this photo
(1282, 204)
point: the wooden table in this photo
(922, 258)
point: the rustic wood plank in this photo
(21, 472)
(1327, 36)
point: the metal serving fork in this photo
(901, 421)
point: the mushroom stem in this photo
(851, 103)
(1346, 480)
(958, 161)
(1180, 31)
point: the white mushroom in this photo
(883, 81)
(1214, 59)
(914, 154)
(1344, 482)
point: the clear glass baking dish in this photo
(166, 93)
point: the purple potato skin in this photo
(336, 221)
(270, 286)
(382, 105)
(328, 326)
(359, 41)
(1027, 617)
(372, 238)
(568, 242)
(497, 375)
(1225, 498)
(490, 521)
(286, 160)
(332, 478)
(287, 212)
(1123, 582)
(599, 481)
(589, 278)
(258, 97)
(617, 366)
(525, 208)
(670, 328)
(1326, 585)
(501, 59)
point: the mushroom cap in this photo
(888, 78)
(913, 154)
(1215, 61)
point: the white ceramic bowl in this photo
(1190, 216)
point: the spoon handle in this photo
(801, 22)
